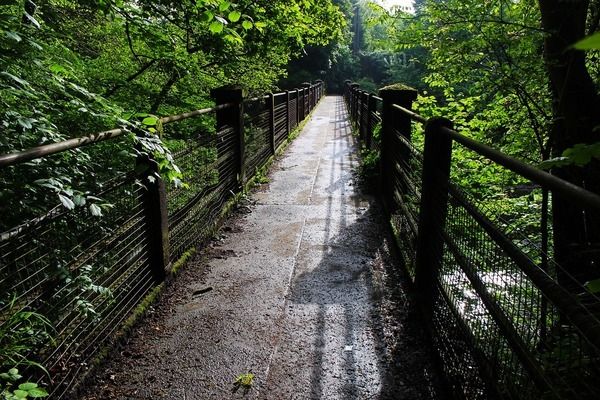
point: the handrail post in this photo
(364, 114)
(372, 108)
(306, 99)
(390, 121)
(437, 158)
(271, 105)
(154, 199)
(353, 100)
(297, 106)
(347, 83)
(358, 114)
(233, 117)
(287, 114)
(320, 86)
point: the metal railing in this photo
(87, 274)
(506, 319)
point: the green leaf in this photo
(247, 25)
(28, 386)
(589, 43)
(207, 16)
(38, 392)
(20, 394)
(14, 373)
(95, 210)
(67, 202)
(234, 16)
(150, 121)
(224, 5)
(259, 26)
(32, 20)
(234, 38)
(216, 27)
(593, 286)
(58, 69)
(245, 380)
(14, 78)
(79, 200)
(13, 35)
(25, 122)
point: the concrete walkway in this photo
(300, 292)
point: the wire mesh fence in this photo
(83, 274)
(507, 319)
(281, 118)
(70, 276)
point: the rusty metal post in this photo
(437, 158)
(233, 117)
(154, 199)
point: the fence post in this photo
(347, 83)
(371, 109)
(320, 84)
(298, 107)
(305, 100)
(232, 117)
(287, 114)
(154, 199)
(358, 94)
(364, 113)
(353, 100)
(390, 121)
(271, 105)
(359, 114)
(433, 210)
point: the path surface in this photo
(301, 291)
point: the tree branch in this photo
(139, 72)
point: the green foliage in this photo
(244, 380)
(23, 390)
(591, 42)
(21, 332)
(71, 68)
(75, 68)
(370, 161)
(581, 154)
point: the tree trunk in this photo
(576, 108)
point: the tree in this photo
(575, 105)
(69, 68)
(506, 71)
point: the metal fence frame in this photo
(151, 228)
(503, 347)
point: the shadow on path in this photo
(367, 338)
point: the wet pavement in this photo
(302, 292)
